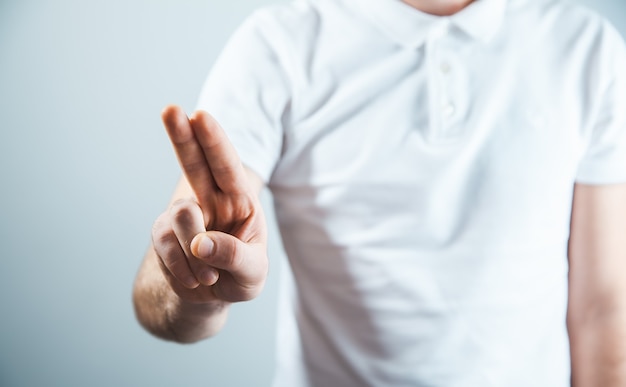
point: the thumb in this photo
(247, 262)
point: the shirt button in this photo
(449, 109)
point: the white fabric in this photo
(422, 169)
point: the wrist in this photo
(191, 321)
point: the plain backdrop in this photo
(86, 167)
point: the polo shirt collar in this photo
(410, 27)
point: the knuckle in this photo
(228, 254)
(235, 255)
(162, 231)
(251, 293)
(182, 211)
(194, 167)
(174, 263)
(167, 250)
(169, 259)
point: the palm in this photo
(232, 214)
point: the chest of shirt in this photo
(378, 112)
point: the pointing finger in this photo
(224, 163)
(188, 151)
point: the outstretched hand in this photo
(211, 245)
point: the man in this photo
(449, 183)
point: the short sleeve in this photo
(248, 93)
(604, 161)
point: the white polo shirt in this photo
(422, 169)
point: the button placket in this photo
(452, 92)
(435, 86)
(448, 107)
(445, 111)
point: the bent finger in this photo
(188, 221)
(171, 255)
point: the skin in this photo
(596, 317)
(439, 7)
(184, 288)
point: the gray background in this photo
(85, 168)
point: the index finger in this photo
(188, 151)
(224, 162)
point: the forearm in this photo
(598, 348)
(163, 313)
(596, 316)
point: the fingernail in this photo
(205, 247)
(191, 283)
(208, 276)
